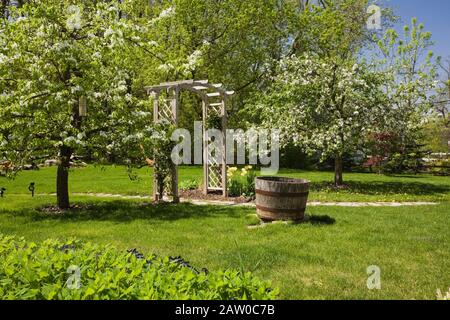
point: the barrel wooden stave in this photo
(281, 198)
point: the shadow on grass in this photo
(385, 187)
(125, 211)
(315, 220)
(321, 220)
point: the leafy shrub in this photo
(191, 184)
(49, 271)
(163, 146)
(404, 162)
(241, 182)
(214, 121)
(439, 166)
(234, 184)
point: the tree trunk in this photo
(338, 179)
(62, 178)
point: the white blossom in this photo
(74, 19)
(169, 12)
(166, 67)
(193, 60)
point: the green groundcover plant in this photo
(74, 270)
(241, 182)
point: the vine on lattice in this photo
(163, 146)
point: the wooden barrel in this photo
(280, 198)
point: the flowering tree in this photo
(320, 97)
(409, 81)
(322, 106)
(56, 60)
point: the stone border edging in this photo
(252, 205)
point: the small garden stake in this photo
(31, 188)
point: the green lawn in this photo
(326, 258)
(362, 186)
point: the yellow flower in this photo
(231, 171)
(248, 167)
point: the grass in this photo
(326, 258)
(361, 186)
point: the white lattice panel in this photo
(165, 110)
(215, 177)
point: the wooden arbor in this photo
(214, 103)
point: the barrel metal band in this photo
(281, 194)
(275, 210)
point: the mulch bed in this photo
(198, 195)
(56, 210)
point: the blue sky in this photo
(434, 14)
